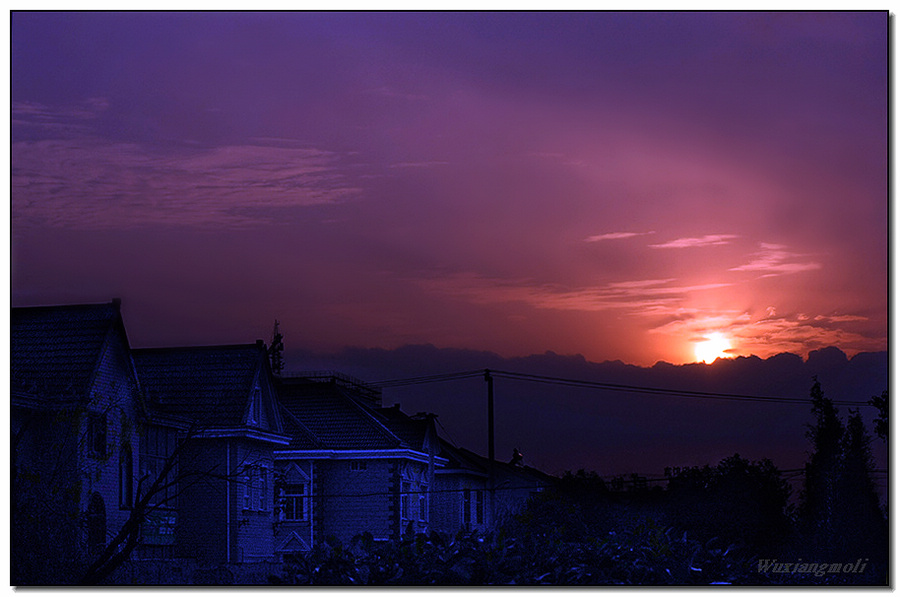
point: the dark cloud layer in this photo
(563, 428)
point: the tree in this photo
(737, 501)
(881, 422)
(52, 543)
(861, 524)
(840, 515)
(823, 469)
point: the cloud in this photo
(654, 297)
(31, 118)
(93, 183)
(703, 241)
(615, 236)
(418, 164)
(770, 334)
(776, 260)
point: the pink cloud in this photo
(614, 236)
(776, 260)
(709, 240)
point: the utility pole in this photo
(491, 472)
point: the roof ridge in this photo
(84, 306)
(195, 347)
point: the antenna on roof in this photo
(276, 349)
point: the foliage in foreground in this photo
(645, 555)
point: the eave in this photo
(385, 454)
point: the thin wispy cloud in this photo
(710, 240)
(92, 183)
(647, 296)
(615, 236)
(418, 164)
(777, 260)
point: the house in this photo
(514, 484)
(346, 471)
(464, 498)
(201, 453)
(220, 507)
(76, 414)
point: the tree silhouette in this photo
(881, 422)
(840, 514)
(817, 512)
(736, 501)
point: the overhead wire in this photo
(614, 387)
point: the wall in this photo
(114, 393)
(202, 515)
(344, 515)
(303, 529)
(449, 501)
(255, 533)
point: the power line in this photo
(626, 388)
(391, 383)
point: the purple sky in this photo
(615, 185)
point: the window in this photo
(467, 507)
(96, 434)
(405, 496)
(294, 502)
(157, 446)
(479, 506)
(126, 478)
(248, 489)
(263, 487)
(256, 488)
(357, 465)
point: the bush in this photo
(645, 555)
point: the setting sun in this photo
(715, 346)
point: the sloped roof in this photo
(54, 351)
(209, 384)
(301, 437)
(505, 468)
(412, 431)
(333, 418)
(459, 458)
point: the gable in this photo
(210, 385)
(294, 475)
(262, 411)
(292, 543)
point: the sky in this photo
(619, 186)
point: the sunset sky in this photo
(623, 186)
